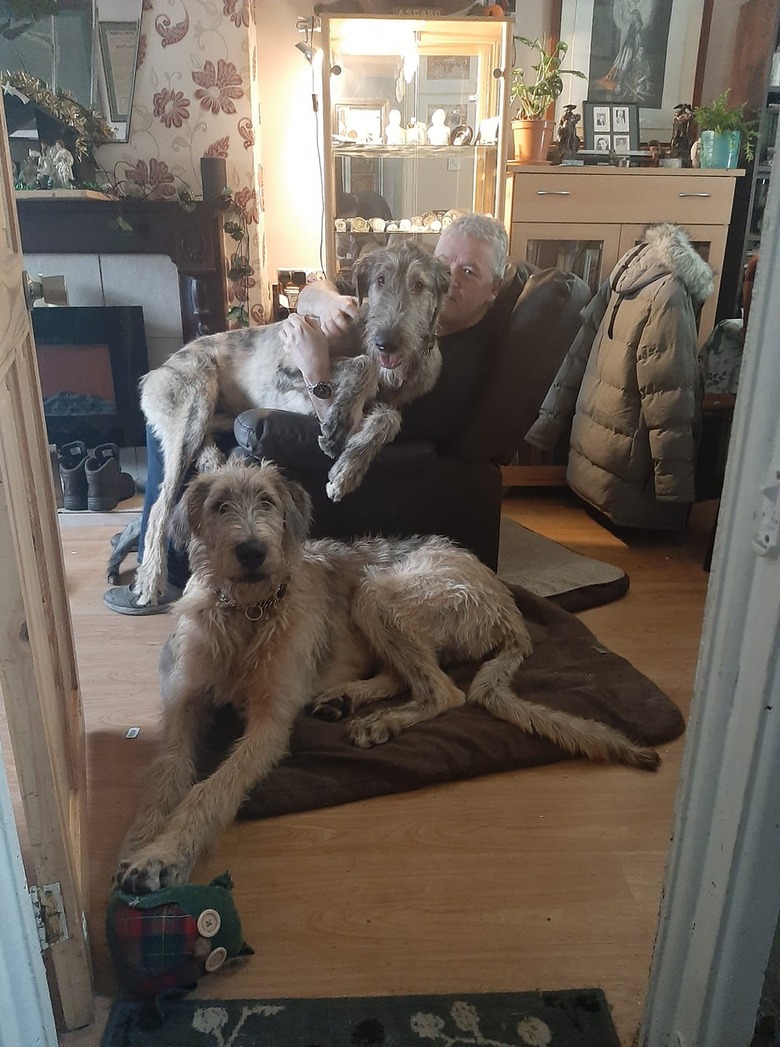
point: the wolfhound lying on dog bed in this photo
(272, 623)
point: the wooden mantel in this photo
(72, 222)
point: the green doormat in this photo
(572, 1018)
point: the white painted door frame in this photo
(722, 890)
(26, 1017)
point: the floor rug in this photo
(548, 569)
(569, 670)
(571, 1018)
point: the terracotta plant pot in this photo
(533, 139)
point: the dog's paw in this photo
(328, 445)
(146, 872)
(374, 729)
(330, 707)
(333, 491)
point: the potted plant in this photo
(531, 129)
(724, 131)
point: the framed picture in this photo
(448, 67)
(360, 122)
(641, 52)
(610, 128)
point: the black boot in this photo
(107, 485)
(72, 459)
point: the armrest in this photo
(290, 440)
(541, 328)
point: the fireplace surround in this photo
(91, 223)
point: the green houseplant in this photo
(724, 131)
(531, 98)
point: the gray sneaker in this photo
(124, 600)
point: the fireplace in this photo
(90, 359)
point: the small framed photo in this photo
(610, 127)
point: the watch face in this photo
(322, 390)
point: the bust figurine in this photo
(394, 133)
(438, 132)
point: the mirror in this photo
(118, 33)
(89, 48)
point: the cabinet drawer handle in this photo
(553, 192)
(681, 195)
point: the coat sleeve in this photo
(557, 409)
(669, 381)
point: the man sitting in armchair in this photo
(441, 475)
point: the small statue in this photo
(568, 139)
(28, 170)
(680, 145)
(438, 132)
(63, 166)
(394, 133)
(45, 173)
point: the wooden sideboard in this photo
(584, 219)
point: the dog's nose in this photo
(250, 554)
(386, 341)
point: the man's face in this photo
(474, 286)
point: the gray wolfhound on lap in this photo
(394, 359)
(272, 623)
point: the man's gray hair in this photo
(491, 231)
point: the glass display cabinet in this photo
(415, 127)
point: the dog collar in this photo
(254, 612)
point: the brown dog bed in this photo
(568, 670)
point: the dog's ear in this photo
(297, 511)
(442, 279)
(186, 513)
(363, 272)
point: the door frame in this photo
(722, 890)
(38, 673)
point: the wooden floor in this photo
(547, 878)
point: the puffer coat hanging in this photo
(632, 382)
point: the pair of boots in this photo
(93, 481)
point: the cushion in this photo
(569, 670)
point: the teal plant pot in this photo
(719, 149)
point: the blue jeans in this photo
(178, 564)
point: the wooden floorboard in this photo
(544, 878)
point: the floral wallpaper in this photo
(196, 95)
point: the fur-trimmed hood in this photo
(666, 250)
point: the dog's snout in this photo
(386, 341)
(251, 554)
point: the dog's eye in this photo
(380, 280)
(223, 507)
(267, 503)
(418, 287)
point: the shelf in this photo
(414, 151)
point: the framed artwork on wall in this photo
(610, 127)
(360, 122)
(639, 52)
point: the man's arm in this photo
(308, 348)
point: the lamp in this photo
(306, 50)
(305, 26)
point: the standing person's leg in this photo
(123, 598)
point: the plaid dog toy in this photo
(163, 942)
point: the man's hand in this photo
(307, 346)
(338, 316)
(337, 312)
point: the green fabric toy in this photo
(164, 942)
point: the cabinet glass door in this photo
(413, 127)
(710, 242)
(576, 249)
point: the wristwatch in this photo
(322, 390)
